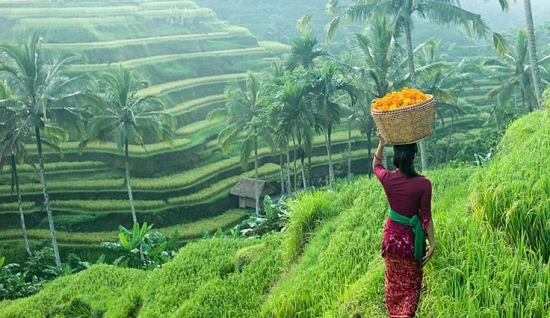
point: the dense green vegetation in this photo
(219, 99)
(327, 262)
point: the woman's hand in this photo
(381, 141)
(429, 252)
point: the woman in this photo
(409, 196)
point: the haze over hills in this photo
(276, 20)
(515, 18)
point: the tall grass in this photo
(336, 269)
(513, 192)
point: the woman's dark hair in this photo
(403, 159)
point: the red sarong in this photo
(403, 284)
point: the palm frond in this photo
(303, 22)
(447, 14)
(331, 29)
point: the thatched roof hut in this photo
(244, 189)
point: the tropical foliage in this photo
(321, 246)
(331, 252)
(125, 117)
(142, 248)
(514, 74)
(43, 101)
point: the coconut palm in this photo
(443, 80)
(375, 66)
(439, 12)
(244, 109)
(532, 47)
(126, 117)
(377, 59)
(513, 72)
(13, 149)
(49, 98)
(537, 83)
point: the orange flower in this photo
(394, 100)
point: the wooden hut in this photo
(244, 189)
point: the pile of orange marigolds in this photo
(394, 100)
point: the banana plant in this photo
(142, 248)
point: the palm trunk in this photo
(256, 184)
(410, 55)
(47, 198)
(281, 164)
(532, 45)
(309, 179)
(288, 188)
(20, 204)
(369, 149)
(130, 194)
(295, 164)
(329, 154)
(410, 58)
(303, 168)
(349, 149)
(128, 184)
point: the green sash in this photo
(419, 235)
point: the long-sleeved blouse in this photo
(406, 196)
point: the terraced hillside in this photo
(189, 56)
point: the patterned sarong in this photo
(403, 283)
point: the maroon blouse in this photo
(407, 197)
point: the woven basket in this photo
(406, 125)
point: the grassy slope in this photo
(327, 263)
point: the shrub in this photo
(18, 284)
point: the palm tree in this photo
(326, 89)
(439, 12)
(533, 52)
(244, 110)
(49, 98)
(443, 80)
(304, 51)
(13, 149)
(296, 121)
(513, 71)
(375, 65)
(532, 47)
(126, 117)
(273, 80)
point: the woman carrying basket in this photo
(410, 222)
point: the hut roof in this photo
(245, 188)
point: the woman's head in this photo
(403, 159)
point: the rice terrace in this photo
(212, 158)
